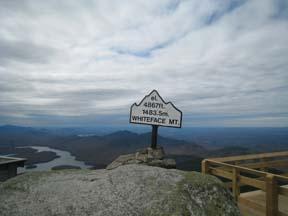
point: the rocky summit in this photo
(148, 156)
(126, 190)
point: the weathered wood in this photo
(8, 167)
(221, 173)
(6, 160)
(271, 196)
(267, 164)
(283, 190)
(251, 156)
(235, 186)
(205, 166)
(252, 182)
(242, 169)
(281, 214)
(248, 170)
(12, 170)
(281, 178)
(251, 204)
(240, 184)
(259, 197)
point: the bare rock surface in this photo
(126, 190)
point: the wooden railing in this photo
(252, 170)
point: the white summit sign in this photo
(153, 110)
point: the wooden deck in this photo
(259, 197)
(270, 194)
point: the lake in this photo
(65, 158)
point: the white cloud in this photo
(211, 58)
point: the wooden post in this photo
(154, 136)
(271, 195)
(204, 167)
(235, 184)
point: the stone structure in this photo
(149, 156)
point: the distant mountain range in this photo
(94, 150)
(99, 149)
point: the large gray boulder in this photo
(126, 190)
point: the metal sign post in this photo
(154, 136)
(153, 110)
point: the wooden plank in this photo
(271, 196)
(259, 197)
(251, 156)
(283, 190)
(252, 182)
(275, 195)
(235, 185)
(251, 204)
(11, 158)
(205, 166)
(281, 178)
(220, 172)
(226, 168)
(229, 184)
(265, 164)
(281, 214)
(8, 160)
(242, 169)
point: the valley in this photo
(99, 150)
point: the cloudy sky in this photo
(77, 63)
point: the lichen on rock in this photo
(127, 190)
(148, 156)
